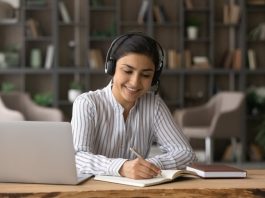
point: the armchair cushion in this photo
(195, 116)
(221, 116)
(21, 102)
(9, 114)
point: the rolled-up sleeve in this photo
(83, 128)
(177, 152)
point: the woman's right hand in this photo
(139, 169)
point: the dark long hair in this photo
(137, 43)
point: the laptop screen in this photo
(37, 152)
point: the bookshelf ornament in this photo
(72, 94)
(35, 58)
(192, 25)
(192, 32)
(74, 91)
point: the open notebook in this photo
(166, 176)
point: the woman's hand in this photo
(139, 169)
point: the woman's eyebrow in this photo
(131, 67)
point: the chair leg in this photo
(236, 156)
(209, 150)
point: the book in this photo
(188, 4)
(227, 59)
(251, 59)
(160, 15)
(173, 59)
(49, 56)
(187, 58)
(237, 59)
(166, 176)
(95, 59)
(64, 12)
(216, 171)
(234, 13)
(32, 28)
(142, 12)
(231, 13)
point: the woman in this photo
(126, 113)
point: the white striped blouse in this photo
(102, 138)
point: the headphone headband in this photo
(110, 62)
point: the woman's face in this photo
(133, 77)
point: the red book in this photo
(216, 171)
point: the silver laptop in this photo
(38, 152)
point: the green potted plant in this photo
(255, 98)
(43, 99)
(74, 91)
(12, 55)
(260, 138)
(7, 87)
(192, 25)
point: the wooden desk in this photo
(252, 186)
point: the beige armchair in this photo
(9, 114)
(221, 117)
(21, 102)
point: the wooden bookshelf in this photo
(94, 23)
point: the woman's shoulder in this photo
(91, 96)
(152, 97)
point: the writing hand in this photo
(139, 169)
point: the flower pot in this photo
(192, 32)
(72, 94)
(12, 59)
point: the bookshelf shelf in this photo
(37, 9)
(103, 9)
(198, 10)
(39, 39)
(11, 24)
(37, 71)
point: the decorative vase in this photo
(35, 58)
(192, 32)
(72, 94)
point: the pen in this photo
(135, 153)
(139, 156)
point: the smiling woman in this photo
(126, 114)
(133, 78)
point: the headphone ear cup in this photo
(157, 74)
(155, 78)
(110, 69)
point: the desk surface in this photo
(252, 186)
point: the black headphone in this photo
(110, 63)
